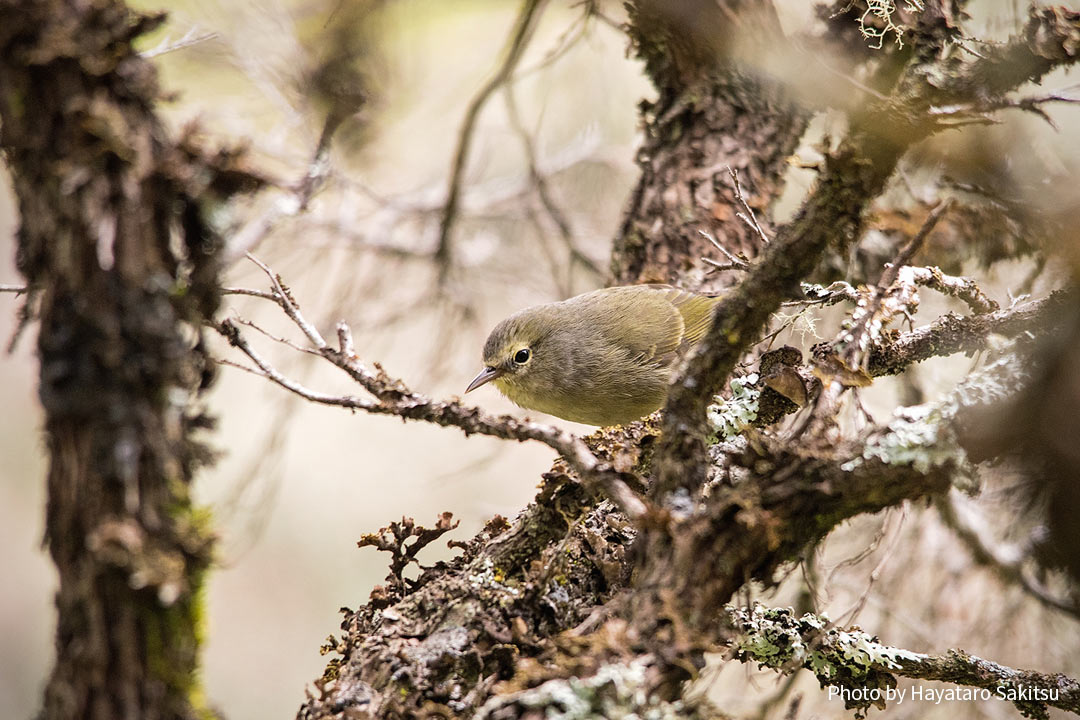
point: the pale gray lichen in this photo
(617, 690)
(922, 436)
(730, 417)
(489, 577)
(825, 296)
(918, 437)
(884, 11)
(775, 638)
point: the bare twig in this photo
(748, 217)
(519, 40)
(284, 299)
(249, 291)
(734, 262)
(276, 338)
(392, 397)
(230, 332)
(1006, 559)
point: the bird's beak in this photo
(486, 375)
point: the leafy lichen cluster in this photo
(850, 660)
(922, 436)
(730, 417)
(775, 638)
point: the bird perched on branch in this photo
(602, 358)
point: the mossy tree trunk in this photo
(121, 271)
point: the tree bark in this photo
(715, 111)
(122, 270)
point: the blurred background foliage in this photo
(297, 485)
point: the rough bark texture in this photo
(115, 253)
(449, 645)
(712, 113)
(438, 647)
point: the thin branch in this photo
(543, 190)
(850, 661)
(284, 299)
(734, 262)
(1005, 559)
(248, 291)
(241, 366)
(394, 398)
(231, 333)
(748, 217)
(277, 338)
(519, 40)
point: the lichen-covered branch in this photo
(776, 392)
(770, 499)
(767, 497)
(440, 644)
(862, 671)
(951, 333)
(851, 177)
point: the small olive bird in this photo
(602, 358)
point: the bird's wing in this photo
(696, 314)
(696, 311)
(653, 332)
(630, 318)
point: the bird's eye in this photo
(521, 356)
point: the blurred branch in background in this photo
(1012, 560)
(338, 85)
(516, 45)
